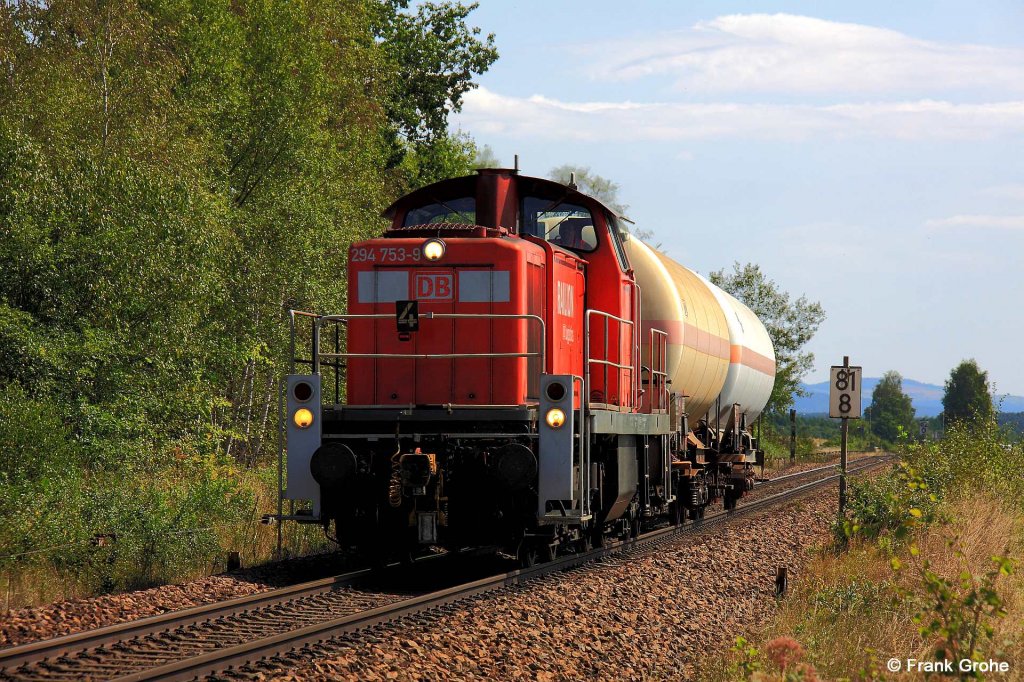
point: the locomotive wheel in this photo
(696, 514)
(597, 535)
(675, 513)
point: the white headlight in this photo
(433, 249)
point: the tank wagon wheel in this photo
(531, 554)
(634, 525)
(528, 556)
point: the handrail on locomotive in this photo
(657, 353)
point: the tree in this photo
(172, 175)
(485, 158)
(967, 397)
(891, 409)
(604, 190)
(790, 324)
(601, 188)
(431, 58)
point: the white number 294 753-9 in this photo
(383, 254)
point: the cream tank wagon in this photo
(722, 361)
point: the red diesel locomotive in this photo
(519, 373)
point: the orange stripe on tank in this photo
(674, 329)
(705, 342)
(752, 359)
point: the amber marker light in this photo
(303, 418)
(555, 418)
(433, 249)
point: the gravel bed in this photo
(62, 618)
(647, 616)
(31, 624)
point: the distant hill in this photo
(927, 398)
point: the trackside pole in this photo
(844, 403)
(844, 430)
(792, 436)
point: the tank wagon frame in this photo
(497, 383)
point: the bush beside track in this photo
(924, 566)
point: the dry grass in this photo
(848, 613)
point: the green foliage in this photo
(1013, 422)
(897, 503)
(824, 428)
(430, 58)
(856, 596)
(748, 658)
(790, 323)
(891, 411)
(434, 56)
(967, 397)
(957, 614)
(973, 456)
(174, 174)
(446, 157)
(52, 503)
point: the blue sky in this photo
(868, 155)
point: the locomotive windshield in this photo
(561, 223)
(457, 210)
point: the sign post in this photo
(844, 403)
(792, 436)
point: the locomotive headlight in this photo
(433, 249)
(303, 418)
(555, 418)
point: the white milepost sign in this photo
(844, 392)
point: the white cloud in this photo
(1005, 192)
(488, 113)
(978, 222)
(799, 54)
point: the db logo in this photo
(435, 286)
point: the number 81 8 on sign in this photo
(844, 393)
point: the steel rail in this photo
(219, 661)
(15, 657)
(234, 656)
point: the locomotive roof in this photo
(466, 185)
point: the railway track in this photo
(242, 632)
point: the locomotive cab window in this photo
(616, 239)
(568, 225)
(457, 210)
